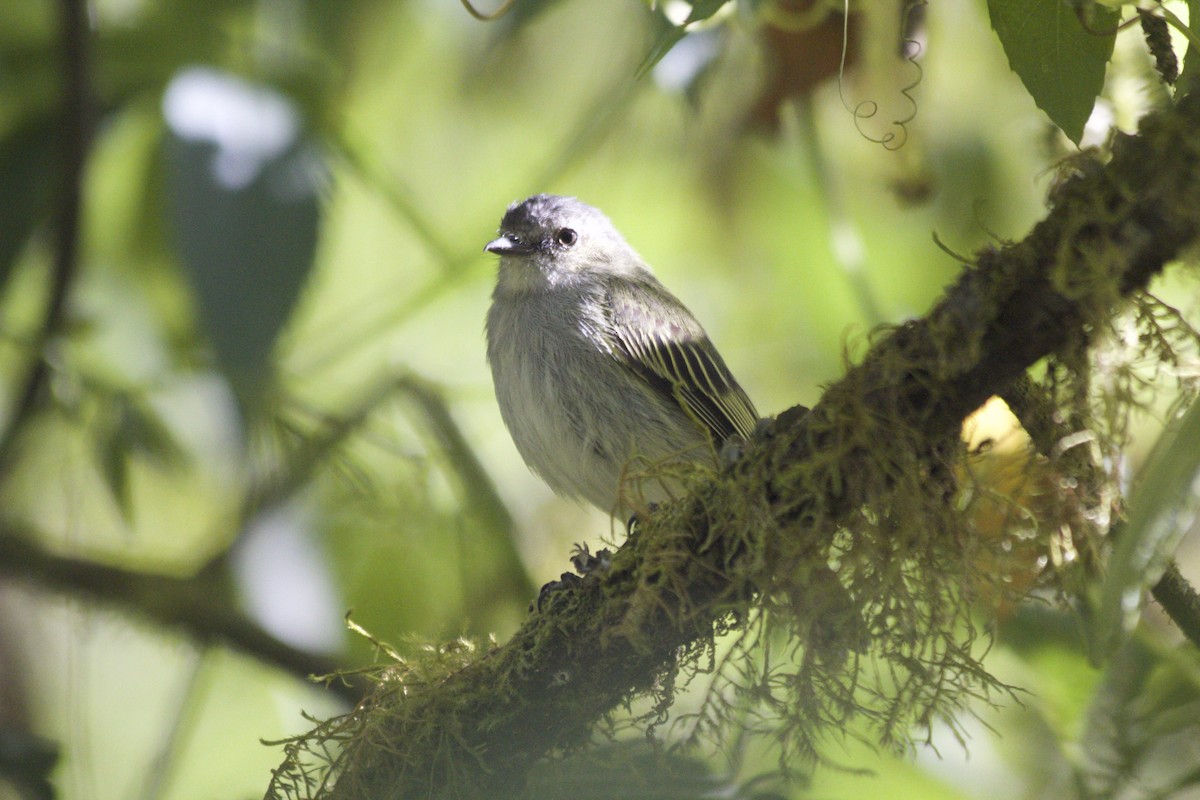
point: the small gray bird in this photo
(600, 372)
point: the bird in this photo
(600, 372)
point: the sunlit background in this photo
(275, 363)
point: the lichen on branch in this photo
(845, 564)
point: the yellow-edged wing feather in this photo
(659, 339)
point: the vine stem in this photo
(1173, 19)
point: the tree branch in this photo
(192, 605)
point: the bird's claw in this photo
(586, 562)
(565, 581)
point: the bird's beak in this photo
(508, 246)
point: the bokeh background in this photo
(268, 383)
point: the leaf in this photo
(243, 184)
(145, 434)
(1061, 62)
(113, 461)
(668, 38)
(670, 35)
(703, 9)
(130, 427)
(1163, 506)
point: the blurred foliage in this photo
(269, 371)
(1163, 510)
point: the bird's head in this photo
(548, 240)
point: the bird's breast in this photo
(576, 413)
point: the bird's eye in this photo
(567, 236)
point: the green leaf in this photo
(1162, 508)
(145, 434)
(129, 427)
(113, 461)
(1060, 61)
(243, 184)
(670, 35)
(703, 9)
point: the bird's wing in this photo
(659, 339)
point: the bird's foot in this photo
(549, 590)
(587, 562)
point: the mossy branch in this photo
(861, 483)
(1181, 602)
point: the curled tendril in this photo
(867, 109)
(492, 17)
